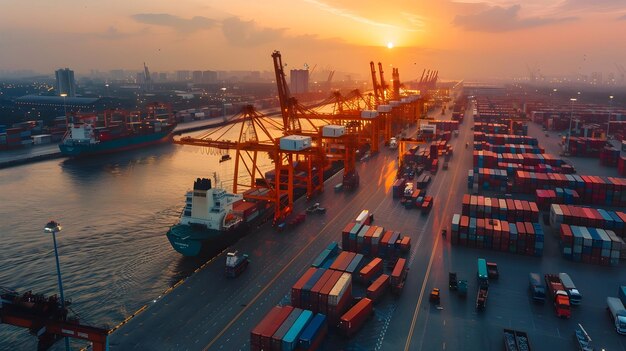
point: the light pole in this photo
(64, 95)
(608, 125)
(223, 102)
(54, 227)
(569, 133)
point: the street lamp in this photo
(64, 95)
(569, 133)
(608, 125)
(54, 227)
(223, 102)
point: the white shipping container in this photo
(295, 142)
(394, 103)
(42, 139)
(333, 131)
(376, 236)
(369, 114)
(384, 108)
(340, 288)
(556, 216)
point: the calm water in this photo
(115, 211)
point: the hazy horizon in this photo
(462, 39)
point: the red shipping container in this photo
(315, 291)
(378, 288)
(325, 290)
(352, 320)
(295, 289)
(371, 270)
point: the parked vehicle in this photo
(235, 264)
(492, 270)
(462, 288)
(435, 296)
(393, 143)
(481, 297)
(583, 339)
(574, 295)
(558, 295)
(536, 287)
(618, 314)
(445, 165)
(515, 340)
(316, 208)
(483, 277)
(453, 284)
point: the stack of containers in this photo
(445, 125)
(378, 288)
(591, 245)
(502, 139)
(508, 148)
(524, 238)
(621, 166)
(494, 128)
(545, 198)
(323, 290)
(610, 191)
(261, 335)
(478, 206)
(327, 255)
(354, 319)
(373, 241)
(398, 188)
(609, 156)
(287, 328)
(589, 217)
(586, 147)
(487, 178)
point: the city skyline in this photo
(462, 39)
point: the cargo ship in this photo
(213, 219)
(84, 138)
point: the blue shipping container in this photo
(290, 340)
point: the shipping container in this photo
(313, 335)
(352, 320)
(378, 288)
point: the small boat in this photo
(225, 158)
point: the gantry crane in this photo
(47, 319)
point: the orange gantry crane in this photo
(45, 318)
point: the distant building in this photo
(65, 83)
(209, 77)
(162, 76)
(596, 78)
(196, 76)
(182, 76)
(155, 76)
(299, 79)
(140, 78)
(117, 74)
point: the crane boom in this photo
(374, 82)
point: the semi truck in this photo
(235, 264)
(574, 295)
(536, 288)
(617, 311)
(558, 295)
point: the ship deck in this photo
(210, 312)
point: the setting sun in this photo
(389, 45)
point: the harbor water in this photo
(115, 211)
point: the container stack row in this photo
(511, 210)
(508, 148)
(545, 198)
(444, 125)
(588, 217)
(591, 245)
(325, 291)
(586, 147)
(491, 128)
(524, 238)
(487, 178)
(609, 191)
(609, 156)
(373, 241)
(489, 159)
(621, 166)
(502, 139)
(287, 328)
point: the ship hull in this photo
(196, 241)
(116, 145)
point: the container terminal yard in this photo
(209, 311)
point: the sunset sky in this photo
(463, 39)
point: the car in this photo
(316, 208)
(445, 165)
